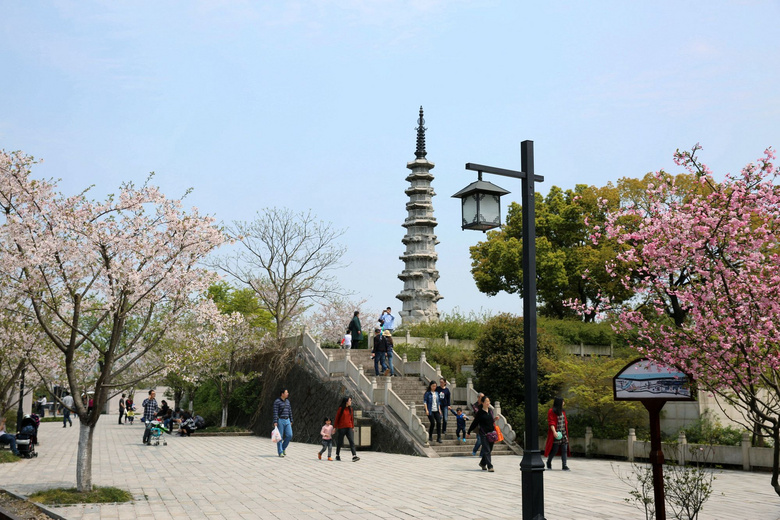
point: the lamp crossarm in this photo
(501, 171)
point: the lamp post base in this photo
(532, 468)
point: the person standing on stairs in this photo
(432, 405)
(444, 396)
(379, 353)
(355, 329)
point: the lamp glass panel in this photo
(490, 209)
(469, 209)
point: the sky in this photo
(312, 105)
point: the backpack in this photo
(200, 422)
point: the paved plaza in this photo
(241, 477)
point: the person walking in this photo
(484, 424)
(444, 396)
(345, 426)
(432, 405)
(283, 420)
(150, 411)
(355, 329)
(475, 408)
(388, 338)
(121, 408)
(67, 408)
(557, 434)
(379, 353)
(327, 438)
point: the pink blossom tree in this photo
(105, 281)
(704, 263)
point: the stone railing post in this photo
(405, 360)
(497, 408)
(347, 358)
(682, 446)
(469, 385)
(438, 371)
(446, 339)
(373, 389)
(408, 337)
(630, 445)
(388, 388)
(588, 440)
(330, 360)
(746, 451)
(412, 413)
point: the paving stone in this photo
(241, 477)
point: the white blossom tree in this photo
(106, 281)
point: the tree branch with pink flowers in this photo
(704, 263)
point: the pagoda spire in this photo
(420, 153)
(419, 295)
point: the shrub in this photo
(711, 432)
(574, 332)
(499, 364)
(455, 324)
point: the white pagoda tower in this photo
(420, 295)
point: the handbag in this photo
(492, 437)
(499, 435)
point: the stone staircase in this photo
(410, 389)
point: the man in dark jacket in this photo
(355, 330)
(444, 396)
(379, 352)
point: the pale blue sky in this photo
(313, 104)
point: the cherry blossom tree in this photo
(704, 264)
(105, 280)
(228, 342)
(329, 322)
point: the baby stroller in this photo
(27, 437)
(157, 430)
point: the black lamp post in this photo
(481, 211)
(20, 410)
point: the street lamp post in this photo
(20, 410)
(477, 215)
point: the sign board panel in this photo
(643, 379)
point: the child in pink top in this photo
(327, 438)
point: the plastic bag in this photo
(275, 435)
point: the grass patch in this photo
(226, 429)
(7, 456)
(98, 495)
(52, 418)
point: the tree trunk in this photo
(224, 415)
(84, 458)
(776, 458)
